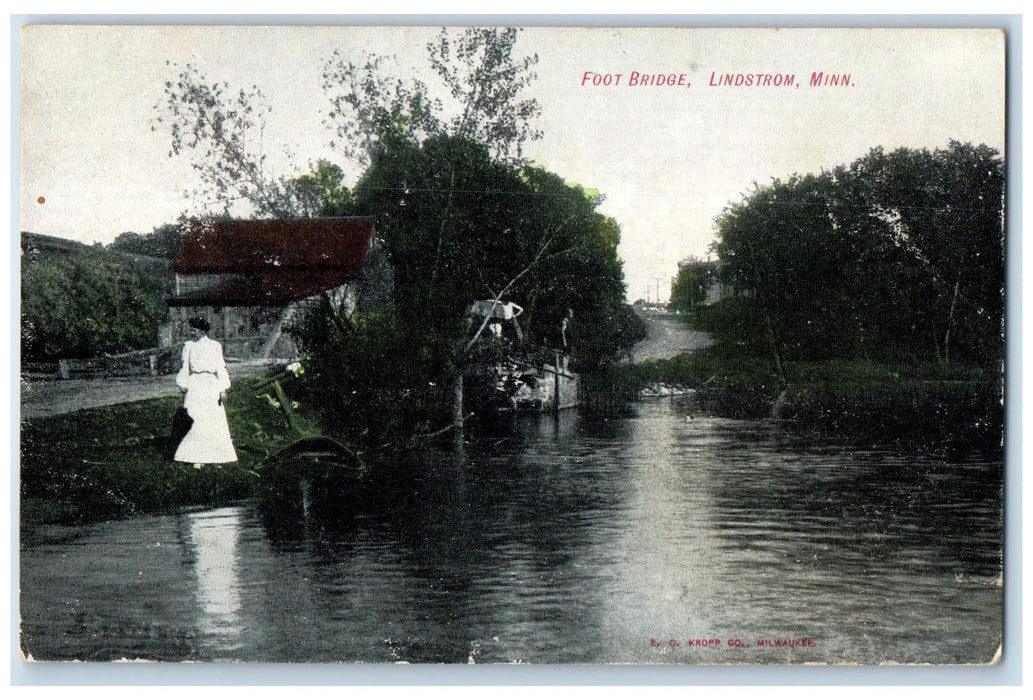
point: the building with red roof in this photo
(250, 278)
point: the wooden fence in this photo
(151, 362)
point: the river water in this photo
(661, 537)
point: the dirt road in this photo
(668, 337)
(53, 397)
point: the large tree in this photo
(461, 215)
(894, 256)
(460, 225)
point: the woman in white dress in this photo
(205, 380)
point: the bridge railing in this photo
(498, 351)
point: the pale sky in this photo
(667, 159)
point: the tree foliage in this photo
(689, 288)
(371, 109)
(482, 75)
(86, 305)
(460, 225)
(373, 379)
(162, 242)
(223, 131)
(896, 256)
(322, 191)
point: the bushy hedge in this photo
(85, 305)
(374, 380)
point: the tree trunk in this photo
(950, 321)
(457, 413)
(770, 332)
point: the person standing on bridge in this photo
(205, 380)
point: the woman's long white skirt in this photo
(208, 441)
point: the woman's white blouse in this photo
(203, 357)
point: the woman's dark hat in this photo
(200, 323)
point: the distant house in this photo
(250, 278)
(715, 291)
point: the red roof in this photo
(270, 261)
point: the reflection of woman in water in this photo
(205, 380)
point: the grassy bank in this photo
(116, 461)
(946, 410)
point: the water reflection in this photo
(663, 555)
(213, 538)
(569, 540)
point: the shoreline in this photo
(112, 462)
(945, 415)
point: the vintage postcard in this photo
(512, 345)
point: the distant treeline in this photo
(162, 242)
(896, 257)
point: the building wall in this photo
(250, 332)
(246, 332)
(191, 284)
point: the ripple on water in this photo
(568, 541)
